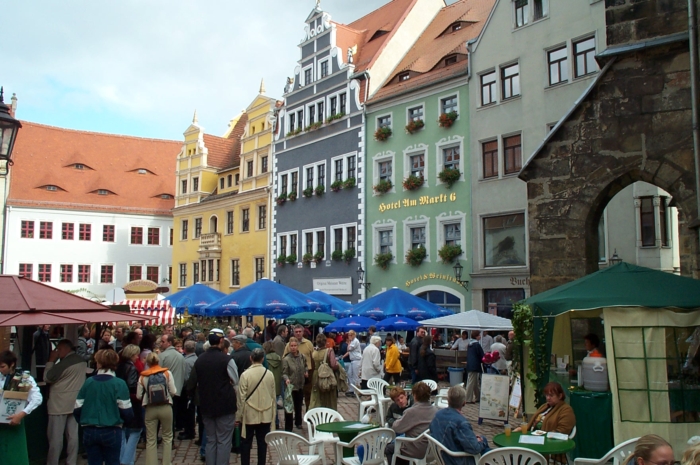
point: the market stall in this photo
(157, 312)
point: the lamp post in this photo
(458, 275)
(9, 127)
(615, 259)
(361, 278)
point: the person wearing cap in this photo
(214, 376)
(252, 345)
(241, 353)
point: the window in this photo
(321, 242)
(384, 121)
(135, 272)
(27, 229)
(663, 221)
(504, 240)
(67, 230)
(229, 180)
(453, 234)
(584, 56)
(522, 12)
(404, 76)
(418, 237)
(263, 164)
(539, 8)
(282, 246)
(321, 114)
(351, 166)
(450, 60)
(195, 272)
(648, 223)
(512, 158)
(262, 216)
(295, 182)
(448, 104)
(386, 241)
(490, 155)
(235, 273)
(309, 246)
(385, 170)
(450, 158)
(170, 274)
(283, 183)
(171, 236)
(415, 113)
(417, 164)
(183, 189)
(197, 228)
(338, 240)
(558, 66)
(108, 233)
(195, 184)
(293, 244)
(221, 183)
(85, 232)
(351, 234)
(229, 222)
(107, 274)
(245, 219)
(510, 81)
(309, 178)
(249, 168)
(185, 224)
(504, 300)
(334, 105)
(312, 114)
(83, 273)
(153, 236)
(343, 99)
(25, 270)
(183, 274)
(321, 171)
(292, 122)
(307, 76)
(153, 273)
(44, 273)
(136, 235)
(45, 230)
(259, 268)
(66, 273)
(300, 120)
(488, 88)
(338, 170)
(238, 178)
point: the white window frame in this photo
(446, 96)
(385, 115)
(314, 246)
(377, 227)
(554, 48)
(230, 273)
(315, 167)
(257, 216)
(482, 238)
(572, 54)
(303, 74)
(344, 228)
(499, 79)
(344, 157)
(413, 222)
(99, 271)
(494, 96)
(444, 143)
(320, 63)
(446, 218)
(420, 105)
(287, 250)
(289, 181)
(416, 149)
(382, 157)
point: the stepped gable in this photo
(47, 156)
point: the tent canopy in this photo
(471, 320)
(622, 285)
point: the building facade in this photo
(320, 143)
(418, 194)
(89, 211)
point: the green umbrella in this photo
(310, 318)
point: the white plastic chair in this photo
(441, 399)
(287, 446)
(617, 454)
(374, 443)
(572, 434)
(437, 449)
(317, 416)
(366, 405)
(431, 384)
(383, 402)
(512, 456)
(400, 441)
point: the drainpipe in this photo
(693, 33)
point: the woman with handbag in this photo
(294, 373)
(321, 395)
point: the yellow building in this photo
(221, 218)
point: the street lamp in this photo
(361, 278)
(8, 131)
(458, 275)
(615, 259)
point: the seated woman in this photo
(401, 402)
(554, 415)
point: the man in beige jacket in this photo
(256, 407)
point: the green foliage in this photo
(383, 186)
(281, 259)
(335, 117)
(318, 256)
(446, 120)
(292, 196)
(449, 176)
(448, 253)
(291, 259)
(349, 183)
(415, 126)
(320, 190)
(382, 133)
(415, 257)
(349, 254)
(336, 186)
(337, 255)
(525, 335)
(281, 199)
(294, 132)
(413, 182)
(307, 258)
(308, 192)
(383, 259)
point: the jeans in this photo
(102, 444)
(259, 430)
(290, 418)
(130, 438)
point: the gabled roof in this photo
(423, 60)
(46, 156)
(224, 153)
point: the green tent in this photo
(650, 320)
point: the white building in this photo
(89, 211)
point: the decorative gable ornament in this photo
(311, 32)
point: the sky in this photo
(142, 67)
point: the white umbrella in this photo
(470, 320)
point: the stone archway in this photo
(634, 125)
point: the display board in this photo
(516, 394)
(494, 397)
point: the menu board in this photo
(516, 395)
(494, 397)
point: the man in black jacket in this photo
(42, 349)
(241, 353)
(215, 377)
(414, 353)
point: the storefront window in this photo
(504, 240)
(443, 299)
(504, 300)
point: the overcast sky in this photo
(141, 67)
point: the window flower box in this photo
(415, 257)
(449, 176)
(414, 126)
(413, 182)
(383, 187)
(382, 133)
(449, 252)
(382, 260)
(446, 120)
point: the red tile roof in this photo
(225, 153)
(46, 156)
(424, 61)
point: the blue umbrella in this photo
(396, 302)
(357, 323)
(337, 306)
(194, 298)
(267, 298)
(397, 323)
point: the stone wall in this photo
(630, 21)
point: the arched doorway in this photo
(213, 224)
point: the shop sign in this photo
(334, 286)
(419, 202)
(519, 281)
(424, 277)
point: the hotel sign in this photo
(334, 286)
(419, 202)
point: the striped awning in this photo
(160, 310)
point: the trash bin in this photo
(594, 431)
(456, 375)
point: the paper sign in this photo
(526, 439)
(356, 426)
(516, 394)
(11, 402)
(494, 397)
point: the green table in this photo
(345, 432)
(550, 446)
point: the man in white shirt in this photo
(371, 361)
(486, 341)
(461, 343)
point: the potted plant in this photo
(308, 192)
(449, 176)
(446, 120)
(335, 117)
(320, 189)
(449, 252)
(348, 255)
(382, 133)
(336, 186)
(294, 132)
(292, 196)
(281, 199)
(307, 257)
(414, 125)
(383, 259)
(413, 182)
(291, 259)
(383, 186)
(318, 256)
(415, 257)
(337, 255)
(349, 183)
(281, 260)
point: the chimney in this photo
(13, 105)
(631, 21)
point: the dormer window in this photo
(404, 77)
(456, 27)
(450, 60)
(51, 188)
(79, 166)
(102, 192)
(166, 196)
(378, 34)
(142, 171)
